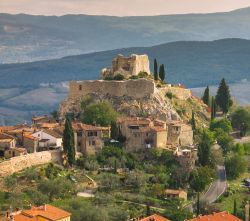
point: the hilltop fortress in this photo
(137, 92)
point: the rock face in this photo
(127, 66)
(144, 101)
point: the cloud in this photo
(118, 7)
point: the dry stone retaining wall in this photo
(19, 163)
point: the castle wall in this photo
(134, 88)
(19, 163)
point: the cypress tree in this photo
(68, 142)
(213, 109)
(193, 123)
(235, 208)
(223, 97)
(198, 204)
(205, 97)
(155, 70)
(162, 72)
(204, 149)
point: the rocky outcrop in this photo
(154, 105)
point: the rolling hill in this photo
(25, 38)
(192, 63)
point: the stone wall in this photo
(132, 88)
(19, 163)
(179, 92)
(127, 66)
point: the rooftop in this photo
(154, 217)
(221, 216)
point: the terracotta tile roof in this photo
(175, 192)
(53, 133)
(154, 217)
(221, 216)
(4, 136)
(21, 217)
(81, 126)
(47, 211)
(29, 136)
(158, 129)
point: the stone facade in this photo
(19, 163)
(132, 88)
(144, 133)
(127, 66)
(179, 92)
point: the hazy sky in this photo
(119, 7)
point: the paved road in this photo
(218, 187)
(243, 140)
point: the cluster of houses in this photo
(46, 133)
(50, 213)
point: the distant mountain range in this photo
(30, 38)
(192, 63)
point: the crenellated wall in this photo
(133, 88)
(20, 163)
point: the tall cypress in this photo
(155, 70)
(193, 123)
(162, 72)
(235, 208)
(198, 204)
(213, 109)
(68, 142)
(223, 97)
(205, 97)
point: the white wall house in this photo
(53, 139)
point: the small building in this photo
(88, 138)
(154, 217)
(48, 139)
(39, 120)
(187, 159)
(42, 213)
(30, 143)
(6, 142)
(15, 152)
(175, 194)
(142, 133)
(221, 216)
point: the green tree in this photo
(204, 148)
(206, 96)
(235, 208)
(200, 178)
(223, 124)
(68, 142)
(101, 113)
(235, 165)
(114, 131)
(193, 122)
(155, 70)
(224, 140)
(213, 108)
(162, 72)
(240, 149)
(241, 120)
(223, 97)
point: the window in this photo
(90, 143)
(93, 143)
(79, 144)
(80, 87)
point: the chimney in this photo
(45, 207)
(247, 212)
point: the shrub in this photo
(143, 75)
(119, 77)
(235, 165)
(108, 78)
(169, 95)
(100, 113)
(133, 77)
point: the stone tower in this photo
(127, 66)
